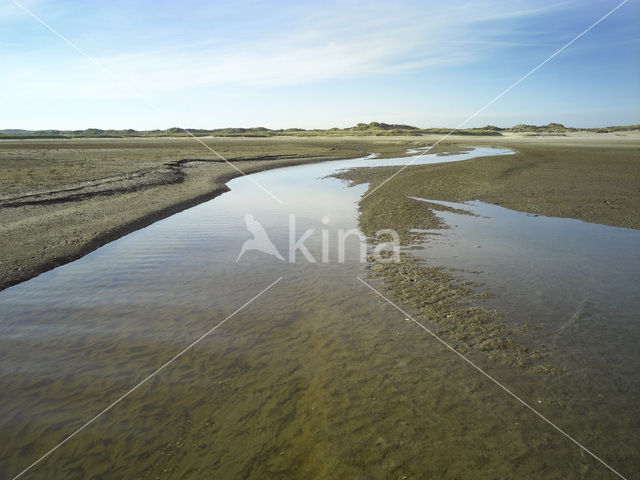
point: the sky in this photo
(316, 64)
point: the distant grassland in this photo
(361, 129)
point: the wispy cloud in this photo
(312, 63)
(317, 45)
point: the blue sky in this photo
(316, 64)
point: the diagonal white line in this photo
(498, 97)
(137, 94)
(149, 377)
(492, 379)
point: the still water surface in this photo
(316, 378)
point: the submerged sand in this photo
(313, 380)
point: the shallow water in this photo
(315, 378)
(577, 282)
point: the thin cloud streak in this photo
(314, 64)
(377, 41)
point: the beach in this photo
(321, 375)
(61, 199)
(64, 198)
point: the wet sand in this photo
(61, 199)
(591, 178)
(312, 381)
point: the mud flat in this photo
(319, 378)
(587, 177)
(60, 199)
(590, 177)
